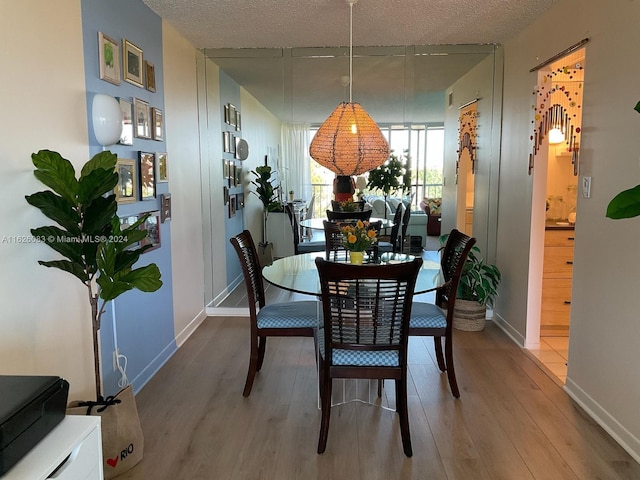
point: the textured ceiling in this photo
(392, 83)
(312, 23)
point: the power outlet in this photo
(586, 187)
(116, 353)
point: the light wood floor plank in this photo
(511, 422)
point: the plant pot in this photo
(265, 254)
(469, 315)
(356, 257)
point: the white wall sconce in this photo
(107, 119)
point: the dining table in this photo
(298, 273)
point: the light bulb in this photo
(556, 136)
(354, 129)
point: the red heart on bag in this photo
(112, 462)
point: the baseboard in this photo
(191, 327)
(227, 311)
(614, 428)
(511, 332)
(153, 366)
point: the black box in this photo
(30, 407)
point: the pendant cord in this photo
(350, 50)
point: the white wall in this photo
(180, 89)
(605, 331)
(45, 325)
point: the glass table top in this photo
(298, 273)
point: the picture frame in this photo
(133, 64)
(147, 167)
(126, 222)
(232, 115)
(150, 76)
(238, 175)
(226, 142)
(152, 226)
(141, 119)
(225, 195)
(109, 59)
(157, 122)
(230, 174)
(165, 207)
(126, 189)
(238, 127)
(126, 107)
(232, 144)
(162, 161)
(232, 206)
(227, 114)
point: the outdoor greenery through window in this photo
(425, 147)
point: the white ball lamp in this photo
(107, 119)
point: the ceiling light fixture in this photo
(349, 142)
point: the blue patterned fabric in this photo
(360, 358)
(289, 315)
(427, 315)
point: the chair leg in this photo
(380, 383)
(262, 346)
(451, 373)
(251, 373)
(325, 405)
(403, 411)
(437, 342)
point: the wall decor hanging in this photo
(467, 119)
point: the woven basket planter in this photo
(469, 315)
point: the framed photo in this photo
(165, 207)
(238, 127)
(227, 115)
(141, 119)
(152, 227)
(150, 76)
(232, 144)
(127, 122)
(133, 65)
(109, 58)
(147, 165)
(126, 188)
(226, 142)
(232, 115)
(156, 116)
(225, 194)
(240, 198)
(163, 167)
(238, 172)
(230, 174)
(126, 222)
(232, 205)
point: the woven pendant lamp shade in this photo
(349, 142)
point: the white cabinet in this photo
(73, 450)
(280, 234)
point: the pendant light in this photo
(349, 142)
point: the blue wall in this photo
(141, 323)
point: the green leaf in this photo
(57, 173)
(66, 244)
(57, 209)
(637, 107)
(105, 160)
(67, 266)
(626, 204)
(145, 279)
(110, 289)
(99, 214)
(95, 184)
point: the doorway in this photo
(558, 119)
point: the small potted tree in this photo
(266, 192)
(392, 176)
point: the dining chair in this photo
(336, 207)
(364, 334)
(390, 243)
(436, 319)
(406, 217)
(333, 240)
(337, 216)
(298, 246)
(286, 319)
(306, 233)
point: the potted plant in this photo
(266, 192)
(391, 176)
(96, 250)
(626, 204)
(477, 290)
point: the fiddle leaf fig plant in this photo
(88, 234)
(266, 192)
(626, 204)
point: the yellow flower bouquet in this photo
(358, 237)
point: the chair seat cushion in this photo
(308, 247)
(385, 246)
(427, 315)
(289, 315)
(386, 358)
